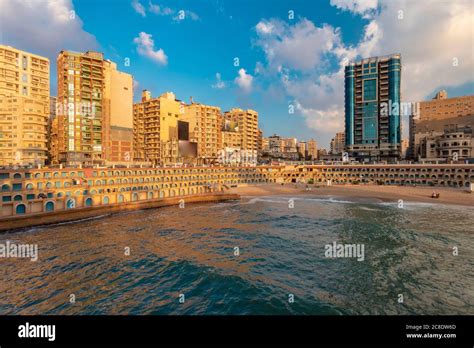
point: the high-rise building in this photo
(302, 147)
(205, 124)
(24, 107)
(155, 128)
(372, 108)
(118, 115)
(94, 120)
(247, 122)
(437, 116)
(337, 144)
(312, 147)
(49, 133)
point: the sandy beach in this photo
(458, 196)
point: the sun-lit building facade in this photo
(24, 107)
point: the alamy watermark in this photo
(14, 250)
(336, 250)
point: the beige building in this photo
(94, 112)
(247, 121)
(24, 107)
(205, 124)
(155, 128)
(231, 139)
(118, 115)
(312, 146)
(337, 144)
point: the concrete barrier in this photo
(15, 222)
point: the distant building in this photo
(283, 148)
(337, 144)
(437, 115)
(302, 150)
(405, 144)
(450, 145)
(24, 107)
(372, 125)
(312, 146)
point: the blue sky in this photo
(287, 61)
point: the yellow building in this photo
(24, 107)
(205, 123)
(247, 121)
(231, 139)
(118, 115)
(312, 147)
(94, 118)
(155, 128)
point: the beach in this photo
(457, 196)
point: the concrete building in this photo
(118, 116)
(302, 148)
(372, 108)
(205, 124)
(283, 148)
(451, 145)
(24, 107)
(312, 149)
(437, 115)
(247, 123)
(404, 146)
(155, 128)
(337, 144)
(94, 118)
(49, 142)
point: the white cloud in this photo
(181, 14)
(159, 10)
(244, 80)
(146, 47)
(299, 46)
(139, 8)
(219, 83)
(264, 27)
(365, 8)
(43, 27)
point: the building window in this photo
(24, 91)
(370, 89)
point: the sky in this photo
(282, 58)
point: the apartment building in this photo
(437, 115)
(24, 107)
(205, 127)
(312, 147)
(155, 128)
(337, 144)
(94, 121)
(247, 123)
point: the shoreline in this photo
(77, 215)
(384, 193)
